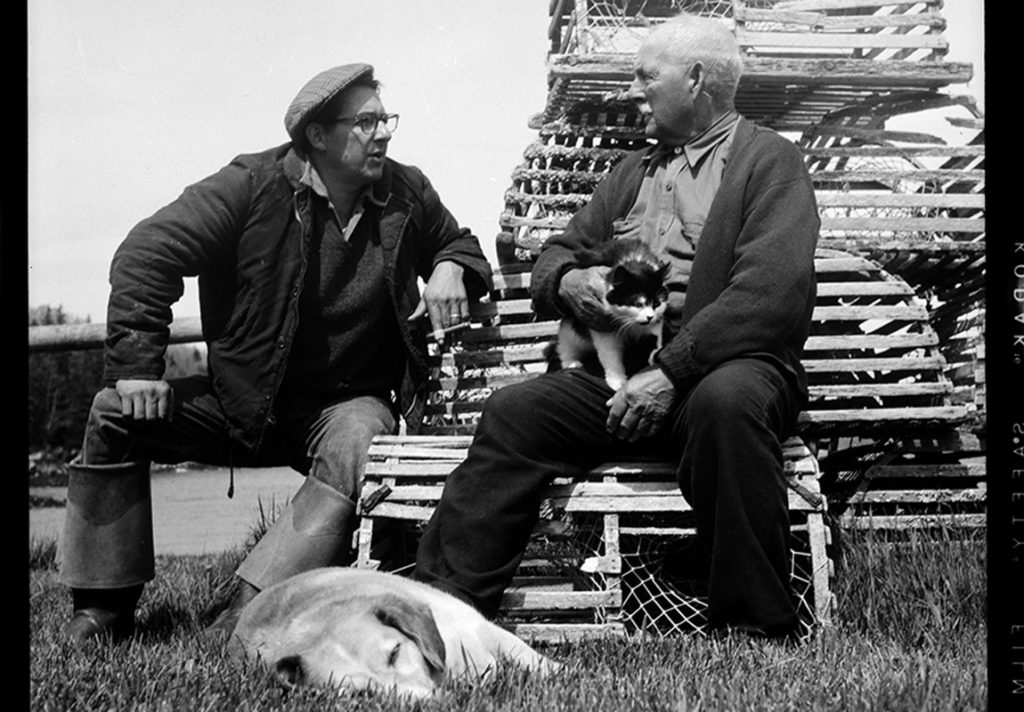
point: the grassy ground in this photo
(910, 634)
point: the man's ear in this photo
(697, 77)
(415, 621)
(315, 135)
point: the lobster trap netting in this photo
(664, 584)
(619, 26)
(654, 585)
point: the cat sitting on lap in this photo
(636, 296)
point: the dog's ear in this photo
(289, 671)
(416, 622)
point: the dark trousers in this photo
(725, 433)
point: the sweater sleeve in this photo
(148, 269)
(589, 226)
(769, 293)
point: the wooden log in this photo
(81, 337)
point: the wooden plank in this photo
(822, 568)
(823, 40)
(912, 521)
(922, 496)
(825, 5)
(867, 312)
(546, 330)
(441, 442)
(652, 502)
(894, 390)
(869, 416)
(807, 72)
(926, 470)
(819, 21)
(851, 342)
(904, 224)
(408, 452)
(562, 633)
(387, 510)
(877, 288)
(937, 150)
(522, 600)
(913, 312)
(862, 175)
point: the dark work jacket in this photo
(752, 286)
(245, 233)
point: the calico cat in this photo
(637, 295)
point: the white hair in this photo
(693, 38)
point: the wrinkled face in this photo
(664, 91)
(359, 646)
(349, 153)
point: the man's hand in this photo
(444, 299)
(145, 399)
(639, 409)
(584, 291)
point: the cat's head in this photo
(637, 292)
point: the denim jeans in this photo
(329, 442)
(726, 435)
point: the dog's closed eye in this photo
(393, 655)
(289, 671)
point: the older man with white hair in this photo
(731, 206)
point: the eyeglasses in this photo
(368, 123)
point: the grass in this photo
(909, 634)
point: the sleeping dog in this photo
(358, 629)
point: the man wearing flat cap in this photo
(309, 258)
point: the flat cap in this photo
(317, 92)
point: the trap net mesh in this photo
(619, 26)
(663, 592)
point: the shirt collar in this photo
(701, 144)
(311, 178)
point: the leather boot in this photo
(107, 547)
(314, 530)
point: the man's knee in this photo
(106, 439)
(722, 397)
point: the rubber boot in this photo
(107, 547)
(314, 530)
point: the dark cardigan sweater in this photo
(752, 287)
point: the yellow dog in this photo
(358, 629)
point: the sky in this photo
(129, 102)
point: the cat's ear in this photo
(619, 274)
(664, 270)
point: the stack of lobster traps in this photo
(894, 432)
